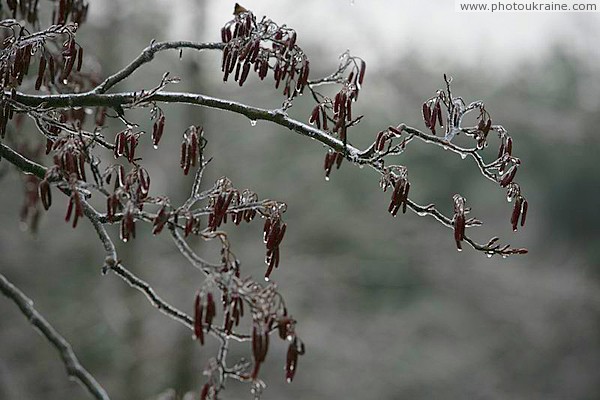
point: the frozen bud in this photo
(41, 71)
(524, 212)
(45, 194)
(160, 220)
(380, 141)
(295, 349)
(508, 176)
(198, 331)
(438, 112)
(132, 142)
(509, 146)
(427, 115)
(210, 310)
(204, 392)
(127, 225)
(361, 74)
(157, 130)
(144, 179)
(51, 69)
(79, 58)
(74, 206)
(190, 223)
(314, 117)
(458, 220)
(516, 213)
(119, 149)
(501, 150)
(487, 126)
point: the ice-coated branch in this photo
(276, 116)
(72, 364)
(111, 262)
(147, 55)
(248, 44)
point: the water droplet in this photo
(266, 279)
(463, 155)
(489, 255)
(327, 178)
(253, 122)
(459, 249)
(64, 81)
(155, 146)
(125, 240)
(289, 380)
(509, 199)
(421, 213)
(445, 147)
(504, 256)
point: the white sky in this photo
(376, 29)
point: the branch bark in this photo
(111, 262)
(118, 100)
(72, 364)
(147, 55)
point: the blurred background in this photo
(387, 307)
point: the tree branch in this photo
(276, 116)
(253, 113)
(74, 368)
(21, 162)
(111, 262)
(146, 56)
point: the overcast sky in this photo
(377, 28)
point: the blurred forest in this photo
(387, 307)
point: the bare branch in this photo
(253, 113)
(111, 262)
(146, 56)
(247, 44)
(74, 368)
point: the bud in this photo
(41, 71)
(157, 130)
(45, 194)
(198, 331)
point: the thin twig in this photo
(111, 261)
(146, 56)
(31, 167)
(252, 113)
(114, 265)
